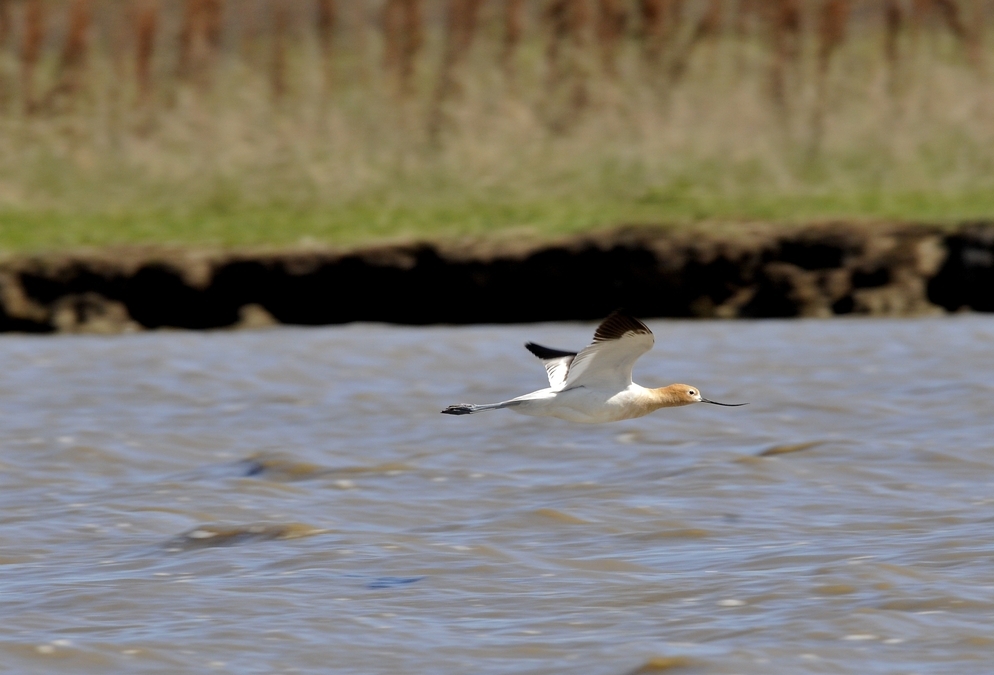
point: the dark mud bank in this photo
(818, 271)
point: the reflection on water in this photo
(292, 501)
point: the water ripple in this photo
(330, 519)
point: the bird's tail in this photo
(469, 408)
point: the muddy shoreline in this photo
(753, 272)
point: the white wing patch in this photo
(556, 362)
(557, 370)
(607, 362)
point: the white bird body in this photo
(595, 385)
(584, 404)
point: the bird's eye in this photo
(692, 392)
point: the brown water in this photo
(291, 501)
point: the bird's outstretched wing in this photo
(556, 362)
(607, 362)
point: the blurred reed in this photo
(612, 20)
(327, 18)
(667, 33)
(72, 60)
(403, 37)
(514, 27)
(366, 90)
(279, 20)
(832, 21)
(34, 36)
(146, 27)
(460, 30)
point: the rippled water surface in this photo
(291, 501)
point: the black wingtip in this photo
(546, 353)
(459, 409)
(617, 325)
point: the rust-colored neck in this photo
(671, 396)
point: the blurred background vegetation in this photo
(291, 122)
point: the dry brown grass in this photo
(894, 23)
(612, 20)
(277, 64)
(513, 29)
(4, 22)
(34, 36)
(460, 30)
(72, 60)
(403, 38)
(567, 77)
(668, 33)
(833, 20)
(648, 106)
(199, 39)
(656, 18)
(327, 19)
(708, 27)
(784, 17)
(5, 30)
(146, 29)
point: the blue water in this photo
(291, 501)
